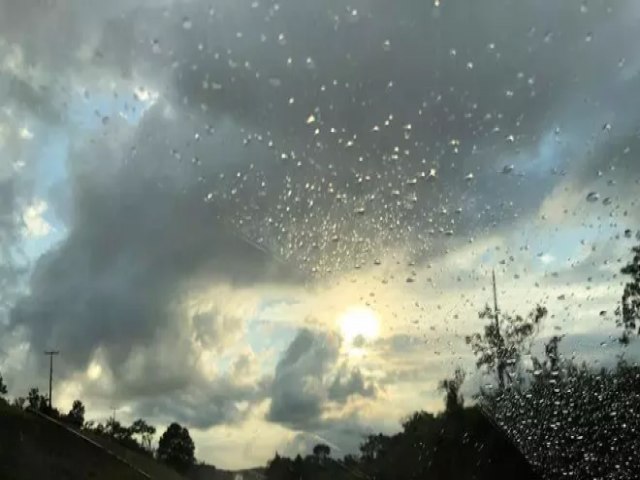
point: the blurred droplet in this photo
(593, 197)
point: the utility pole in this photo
(51, 353)
(501, 366)
(495, 296)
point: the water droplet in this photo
(469, 177)
(593, 197)
(386, 45)
(607, 201)
(186, 23)
(310, 119)
(507, 169)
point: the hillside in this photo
(33, 448)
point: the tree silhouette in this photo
(629, 310)
(451, 388)
(176, 448)
(145, 431)
(500, 347)
(3, 386)
(321, 451)
(76, 414)
(36, 401)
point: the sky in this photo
(276, 222)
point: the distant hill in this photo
(34, 448)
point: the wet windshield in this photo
(314, 239)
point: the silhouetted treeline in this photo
(460, 443)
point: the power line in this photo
(51, 353)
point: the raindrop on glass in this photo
(593, 197)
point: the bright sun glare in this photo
(359, 322)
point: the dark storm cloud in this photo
(141, 238)
(214, 403)
(349, 383)
(306, 380)
(476, 100)
(522, 70)
(297, 394)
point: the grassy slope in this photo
(31, 448)
(144, 462)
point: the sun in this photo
(359, 323)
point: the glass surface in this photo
(332, 239)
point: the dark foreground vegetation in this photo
(549, 419)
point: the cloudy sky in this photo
(275, 222)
